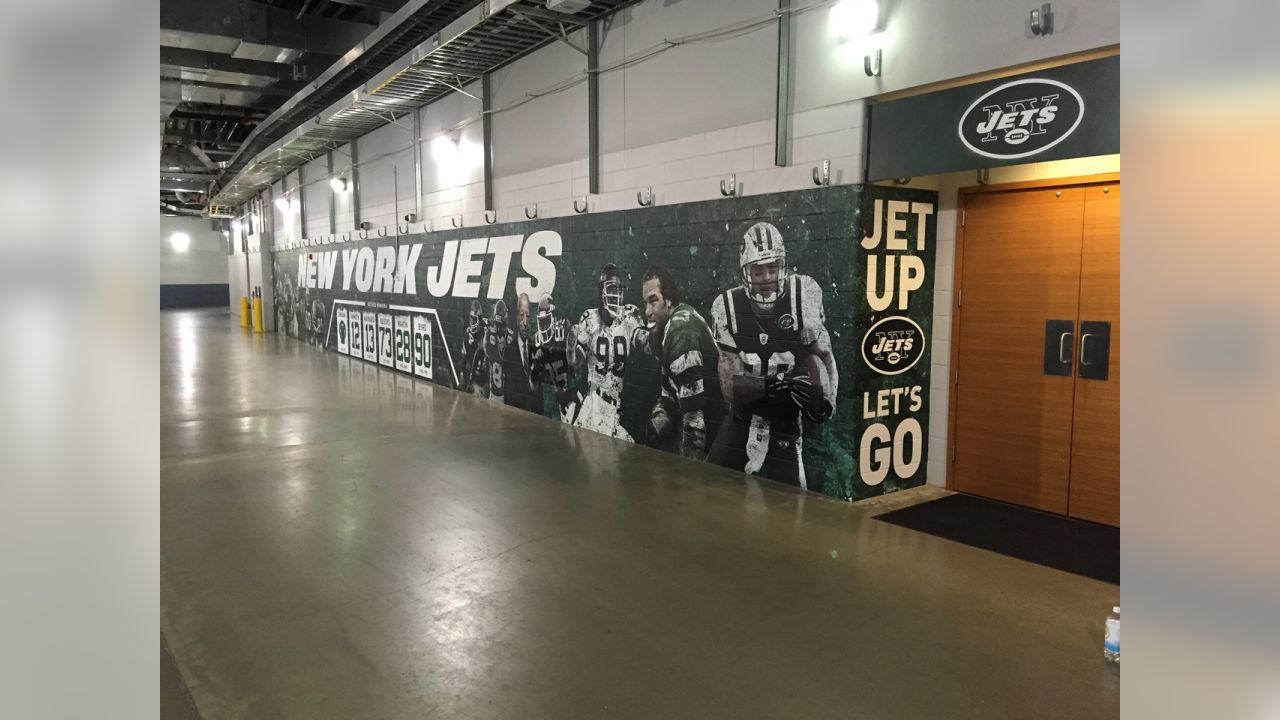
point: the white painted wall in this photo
(204, 262)
(686, 117)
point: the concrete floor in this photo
(339, 541)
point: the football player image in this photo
(318, 319)
(775, 363)
(603, 338)
(689, 407)
(518, 359)
(497, 338)
(550, 362)
(474, 367)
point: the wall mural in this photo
(782, 335)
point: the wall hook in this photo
(408, 227)
(822, 176)
(382, 231)
(901, 180)
(531, 215)
(454, 221)
(645, 197)
(1042, 20)
(729, 188)
(871, 63)
(984, 176)
(491, 216)
(580, 208)
(364, 234)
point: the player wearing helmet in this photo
(769, 329)
(474, 367)
(603, 338)
(319, 323)
(689, 407)
(551, 358)
(497, 338)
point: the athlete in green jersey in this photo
(689, 408)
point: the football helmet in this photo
(762, 244)
(610, 289)
(545, 332)
(473, 319)
(500, 316)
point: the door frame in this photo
(957, 287)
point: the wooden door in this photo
(1013, 422)
(1095, 437)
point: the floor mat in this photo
(1074, 546)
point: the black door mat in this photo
(1062, 543)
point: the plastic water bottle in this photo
(1111, 643)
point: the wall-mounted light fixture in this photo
(338, 184)
(180, 241)
(856, 22)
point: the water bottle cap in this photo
(1115, 609)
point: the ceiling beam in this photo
(202, 60)
(389, 6)
(279, 90)
(261, 24)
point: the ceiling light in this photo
(235, 226)
(338, 184)
(854, 18)
(180, 241)
(282, 203)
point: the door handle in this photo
(1095, 350)
(1059, 336)
(1084, 338)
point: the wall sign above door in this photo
(1062, 112)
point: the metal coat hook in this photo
(580, 208)
(823, 177)
(382, 231)
(645, 197)
(408, 227)
(491, 216)
(531, 215)
(364, 234)
(984, 176)
(1042, 20)
(454, 222)
(729, 188)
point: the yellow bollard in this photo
(257, 314)
(244, 311)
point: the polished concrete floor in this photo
(340, 541)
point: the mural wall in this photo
(782, 335)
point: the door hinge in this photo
(955, 376)
(953, 452)
(963, 216)
(960, 297)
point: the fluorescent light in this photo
(338, 184)
(180, 241)
(854, 18)
(283, 203)
(235, 226)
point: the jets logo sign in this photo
(1021, 118)
(893, 346)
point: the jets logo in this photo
(1021, 118)
(893, 346)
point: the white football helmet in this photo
(762, 244)
(545, 332)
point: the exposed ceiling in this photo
(294, 76)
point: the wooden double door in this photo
(1036, 393)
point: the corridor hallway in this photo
(342, 541)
